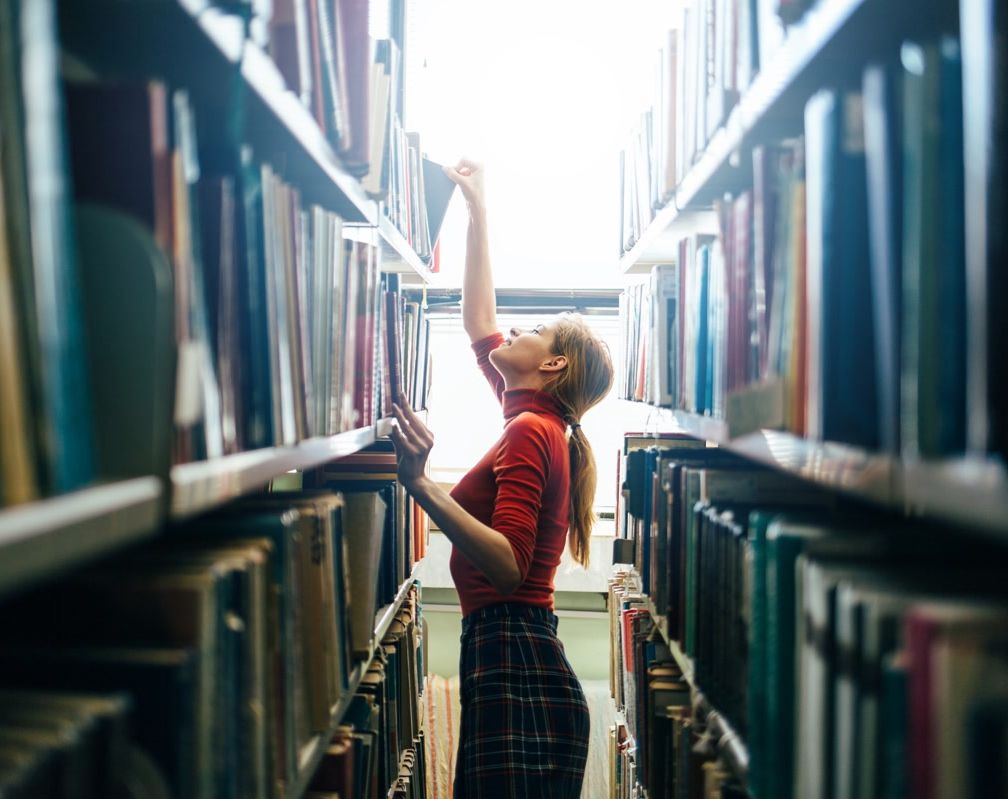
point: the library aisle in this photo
(228, 249)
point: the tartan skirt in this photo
(524, 725)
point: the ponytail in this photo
(584, 382)
(583, 481)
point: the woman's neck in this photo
(534, 382)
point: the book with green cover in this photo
(787, 537)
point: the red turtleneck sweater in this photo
(520, 488)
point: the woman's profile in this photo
(524, 726)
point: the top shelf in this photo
(770, 108)
(193, 44)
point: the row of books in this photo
(419, 196)
(833, 302)
(353, 83)
(235, 639)
(379, 751)
(856, 655)
(190, 305)
(703, 67)
(662, 745)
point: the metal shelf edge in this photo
(403, 257)
(44, 537)
(202, 485)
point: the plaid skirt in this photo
(524, 726)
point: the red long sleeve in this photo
(520, 488)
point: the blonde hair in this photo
(584, 382)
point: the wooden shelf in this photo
(203, 485)
(772, 107)
(42, 539)
(968, 491)
(311, 755)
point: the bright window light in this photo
(543, 94)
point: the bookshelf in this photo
(311, 756)
(970, 489)
(221, 58)
(42, 539)
(771, 103)
(295, 244)
(39, 540)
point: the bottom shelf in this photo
(311, 754)
(730, 744)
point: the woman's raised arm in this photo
(479, 303)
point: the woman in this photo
(524, 727)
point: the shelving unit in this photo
(312, 754)
(222, 63)
(771, 107)
(44, 538)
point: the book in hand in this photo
(438, 191)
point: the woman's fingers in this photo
(402, 445)
(405, 414)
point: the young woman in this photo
(524, 726)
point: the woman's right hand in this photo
(468, 176)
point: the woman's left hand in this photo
(412, 441)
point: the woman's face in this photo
(524, 351)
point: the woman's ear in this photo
(554, 363)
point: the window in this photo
(466, 418)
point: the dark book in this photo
(438, 192)
(983, 26)
(226, 319)
(934, 323)
(882, 105)
(36, 181)
(258, 428)
(841, 399)
(131, 345)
